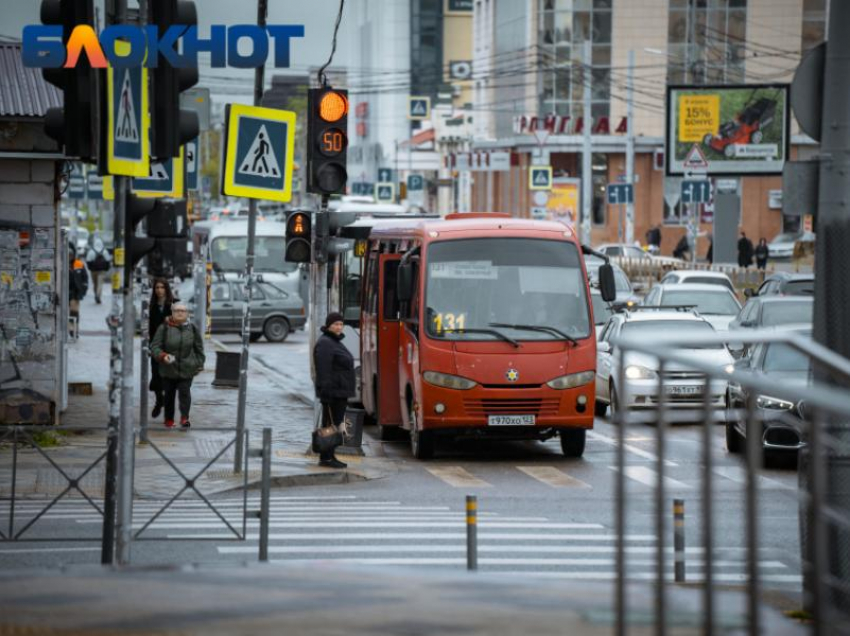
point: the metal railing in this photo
(821, 400)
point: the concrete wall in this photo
(31, 279)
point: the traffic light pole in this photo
(259, 80)
(318, 291)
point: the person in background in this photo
(682, 247)
(761, 254)
(99, 262)
(709, 255)
(179, 349)
(78, 285)
(160, 308)
(745, 251)
(335, 379)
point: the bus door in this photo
(386, 392)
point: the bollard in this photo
(679, 539)
(265, 494)
(471, 532)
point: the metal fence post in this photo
(471, 532)
(679, 539)
(265, 494)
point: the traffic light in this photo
(327, 141)
(75, 125)
(166, 226)
(298, 237)
(136, 248)
(171, 126)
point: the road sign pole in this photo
(259, 80)
(587, 150)
(630, 148)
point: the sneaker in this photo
(157, 409)
(169, 423)
(332, 463)
(185, 423)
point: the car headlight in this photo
(448, 381)
(636, 372)
(572, 380)
(767, 402)
(729, 368)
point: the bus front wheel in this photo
(421, 442)
(572, 441)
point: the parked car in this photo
(715, 303)
(772, 311)
(782, 424)
(683, 387)
(786, 284)
(602, 311)
(705, 277)
(275, 313)
(625, 292)
(782, 246)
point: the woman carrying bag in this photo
(335, 381)
(160, 309)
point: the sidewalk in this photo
(285, 410)
(318, 598)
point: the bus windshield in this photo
(228, 254)
(486, 289)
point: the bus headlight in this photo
(572, 381)
(448, 381)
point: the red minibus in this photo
(478, 325)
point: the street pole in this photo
(832, 291)
(630, 148)
(259, 79)
(318, 291)
(587, 149)
(144, 355)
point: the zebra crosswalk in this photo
(348, 529)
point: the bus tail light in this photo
(448, 381)
(572, 381)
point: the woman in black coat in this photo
(160, 309)
(335, 381)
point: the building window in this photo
(814, 23)
(564, 27)
(706, 41)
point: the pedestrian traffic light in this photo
(327, 141)
(166, 227)
(136, 248)
(298, 238)
(75, 125)
(171, 126)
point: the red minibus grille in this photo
(515, 406)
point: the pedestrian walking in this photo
(745, 251)
(179, 349)
(78, 285)
(762, 252)
(334, 366)
(99, 263)
(709, 255)
(160, 308)
(653, 237)
(682, 247)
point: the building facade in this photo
(537, 59)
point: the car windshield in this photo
(679, 329)
(601, 309)
(799, 288)
(711, 280)
(477, 284)
(228, 254)
(783, 357)
(787, 313)
(718, 302)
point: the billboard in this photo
(727, 130)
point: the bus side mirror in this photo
(606, 283)
(404, 283)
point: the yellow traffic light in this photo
(333, 106)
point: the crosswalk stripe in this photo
(739, 475)
(458, 477)
(649, 576)
(551, 476)
(599, 437)
(649, 477)
(491, 561)
(40, 550)
(325, 523)
(438, 536)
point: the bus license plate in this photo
(510, 420)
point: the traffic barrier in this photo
(646, 272)
(471, 532)
(227, 368)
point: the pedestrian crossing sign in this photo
(165, 179)
(128, 125)
(385, 192)
(540, 178)
(419, 108)
(259, 150)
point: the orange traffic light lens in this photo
(333, 106)
(298, 226)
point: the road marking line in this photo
(458, 477)
(649, 576)
(599, 437)
(22, 550)
(435, 536)
(483, 561)
(327, 523)
(553, 477)
(649, 477)
(739, 476)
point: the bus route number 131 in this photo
(449, 322)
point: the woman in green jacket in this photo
(179, 349)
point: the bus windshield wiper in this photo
(498, 334)
(540, 328)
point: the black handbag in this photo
(327, 438)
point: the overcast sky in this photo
(317, 16)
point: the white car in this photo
(631, 251)
(683, 386)
(782, 246)
(706, 277)
(715, 303)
